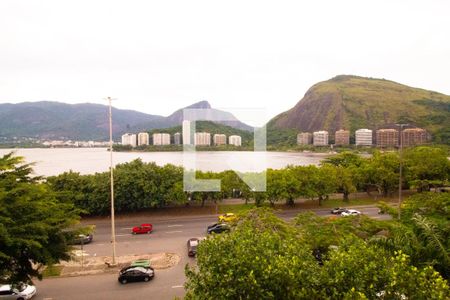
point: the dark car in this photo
(82, 239)
(192, 246)
(218, 228)
(338, 210)
(133, 274)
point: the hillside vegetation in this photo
(87, 121)
(352, 102)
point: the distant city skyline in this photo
(156, 57)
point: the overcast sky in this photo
(158, 56)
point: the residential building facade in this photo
(129, 139)
(387, 138)
(220, 139)
(235, 140)
(143, 139)
(160, 139)
(202, 139)
(304, 138)
(342, 137)
(320, 138)
(177, 138)
(363, 137)
(414, 136)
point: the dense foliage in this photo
(264, 257)
(140, 185)
(32, 222)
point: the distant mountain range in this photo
(54, 120)
(343, 102)
(352, 102)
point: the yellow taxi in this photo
(228, 217)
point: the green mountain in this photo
(352, 102)
(87, 121)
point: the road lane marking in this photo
(126, 228)
(100, 244)
(177, 286)
(122, 234)
(176, 231)
(176, 225)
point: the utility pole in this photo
(113, 226)
(400, 181)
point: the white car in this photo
(350, 212)
(18, 291)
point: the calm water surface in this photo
(50, 162)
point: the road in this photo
(169, 235)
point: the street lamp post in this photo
(401, 169)
(113, 227)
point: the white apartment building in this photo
(187, 133)
(363, 137)
(220, 139)
(143, 138)
(235, 140)
(202, 139)
(161, 139)
(320, 138)
(129, 139)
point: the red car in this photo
(144, 228)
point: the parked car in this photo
(351, 212)
(144, 228)
(83, 239)
(17, 291)
(192, 246)
(218, 228)
(338, 210)
(228, 217)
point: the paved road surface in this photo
(169, 235)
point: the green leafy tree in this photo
(264, 257)
(33, 222)
(382, 171)
(423, 232)
(348, 175)
(260, 259)
(276, 186)
(426, 167)
(356, 268)
(324, 182)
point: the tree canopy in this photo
(264, 257)
(33, 222)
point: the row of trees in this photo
(141, 185)
(312, 257)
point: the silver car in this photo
(17, 292)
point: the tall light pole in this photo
(113, 226)
(401, 168)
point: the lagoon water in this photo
(54, 161)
